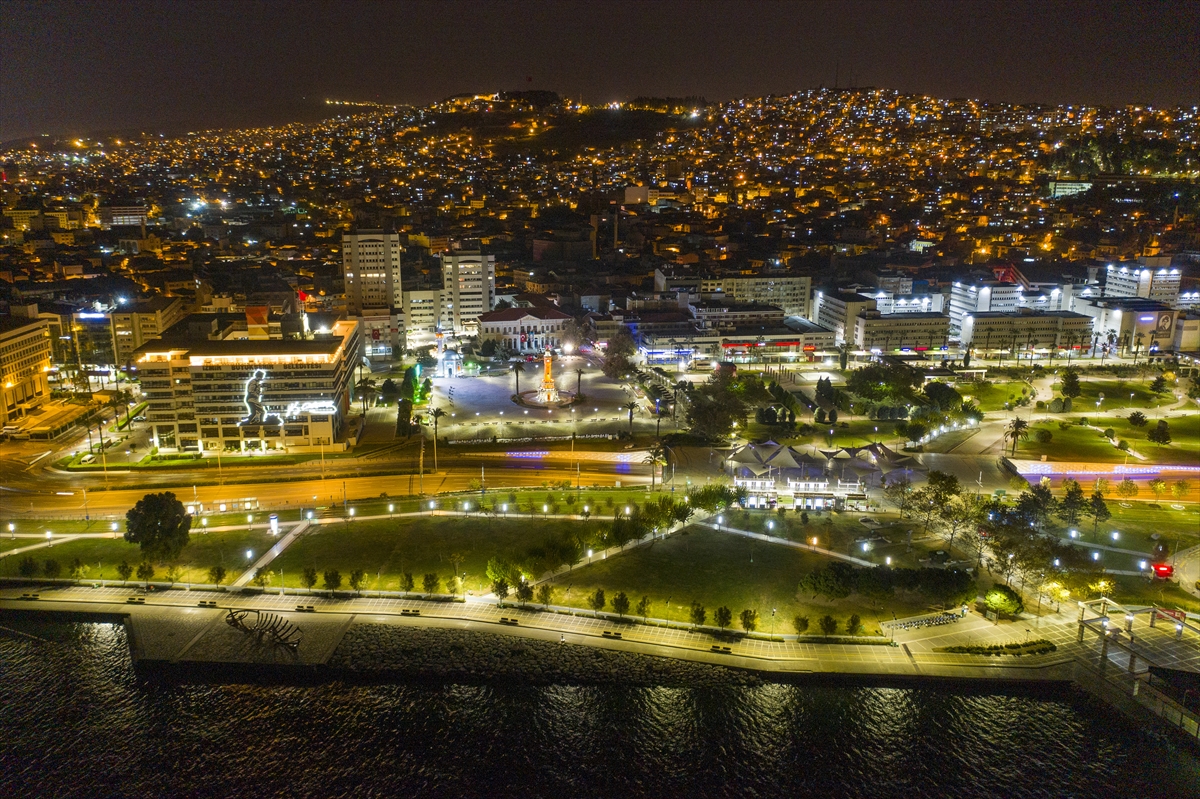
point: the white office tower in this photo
(371, 268)
(468, 289)
(1150, 278)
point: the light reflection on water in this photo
(77, 721)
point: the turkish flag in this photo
(303, 296)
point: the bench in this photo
(507, 620)
(136, 600)
(208, 603)
(29, 596)
(611, 634)
(409, 612)
(721, 650)
(305, 609)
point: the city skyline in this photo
(163, 67)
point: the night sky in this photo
(76, 67)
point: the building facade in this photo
(990, 332)
(25, 351)
(371, 270)
(468, 289)
(903, 331)
(524, 330)
(250, 395)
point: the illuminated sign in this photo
(257, 411)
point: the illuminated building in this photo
(24, 361)
(468, 289)
(1152, 282)
(212, 389)
(873, 330)
(990, 331)
(371, 270)
(523, 330)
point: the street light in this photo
(49, 538)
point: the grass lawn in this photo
(1080, 443)
(1139, 591)
(201, 553)
(717, 569)
(991, 396)
(1116, 395)
(385, 549)
(600, 502)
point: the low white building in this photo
(525, 330)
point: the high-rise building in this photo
(468, 289)
(371, 270)
(1152, 280)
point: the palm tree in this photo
(435, 414)
(517, 368)
(365, 387)
(680, 388)
(656, 456)
(1017, 430)
(579, 384)
(631, 407)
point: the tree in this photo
(620, 603)
(853, 625)
(524, 592)
(365, 388)
(430, 583)
(1127, 489)
(517, 369)
(1004, 600)
(1097, 508)
(1070, 383)
(407, 583)
(656, 456)
(333, 580)
(358, 578)
(78, 571)
(1158, 385)
(1042, 435)
(389, 391)
(308, 577)
(828, 625)
(898, 491)
(51, 568)
(159, 524)
(545, 594)
(697, 614)
(1161, 434)
(500, 589)
(618, 354)
(29, 567)
(145, 571)
(261, 578)
(435, 414)
(1073, 504)
(1103, 485)
(596, 601)
(960, 513)
(1137, 419)
(1158, 486)
(1181, 488)
(1017, 430)
(643, 607)
(124, 571)
(722, 617)
(630, 406)
(749, 619)
(216, 575)
(800, 624)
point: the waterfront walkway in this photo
(914, 654)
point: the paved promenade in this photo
(171, 626)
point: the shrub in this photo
(1041, 406)
(1042, 435)
(1109, 433)
(1066, 405)
(801, 623)
(1056, 405)
(1123, 444)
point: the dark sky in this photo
(73, 67)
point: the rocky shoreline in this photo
(467, 656)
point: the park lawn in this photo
(717, 569)
(839, 532)
(64, 526)
(103, 555)
(16, 543)
(1164, 593)
(1076, 443)
(991, 396)
(387, 548)
(1136, 524)
(600, 502)
(1116, 395)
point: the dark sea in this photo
(76, 720)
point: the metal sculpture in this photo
(272, 626)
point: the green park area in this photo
(386, 549)
(717, 569)
(1116, 394)
(1070, 441)
(101, 556)
(992, 395)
